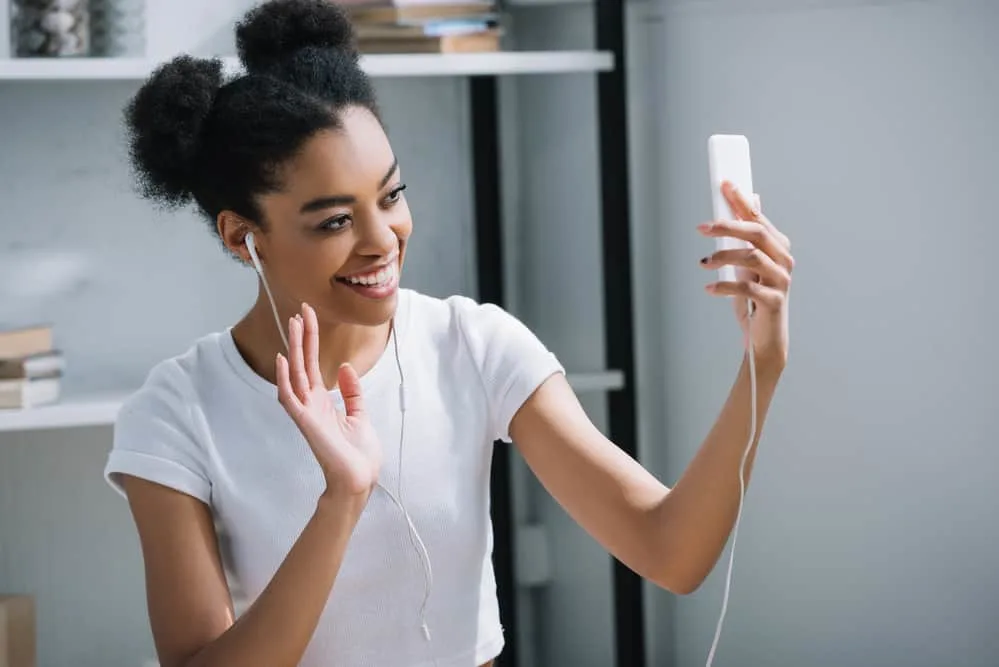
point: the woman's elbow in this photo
(680, 585)
(679, 580)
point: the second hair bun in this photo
(277, 29)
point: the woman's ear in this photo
(232, 230)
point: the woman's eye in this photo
(395, 195)
(336, 223)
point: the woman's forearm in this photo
(697, 515)
(277, 627)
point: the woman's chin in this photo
(365, 307)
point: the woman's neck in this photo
(258, 340)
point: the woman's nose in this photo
(377, 236)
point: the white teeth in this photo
(382, 277)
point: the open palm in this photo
(344, 443)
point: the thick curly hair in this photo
(193, 136)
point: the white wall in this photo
(869, 536)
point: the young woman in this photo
(345, 451)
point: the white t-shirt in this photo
(206, 424)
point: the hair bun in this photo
(164, 120)
(278, 29)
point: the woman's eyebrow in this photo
(332, 201)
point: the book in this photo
(25, 341)
(477, 42)
(28, 393)
(401, 13)
(40, 365)
(418, 29)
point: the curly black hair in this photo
(193, 136)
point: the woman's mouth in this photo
(377, 284)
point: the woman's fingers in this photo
(286, 395)
(744, 210)
(311, 348)
(763, 295)
(350, 389)
(296, 359)
(741, 207)
(755, 233)
(755, 261)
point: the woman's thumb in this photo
(350, 389)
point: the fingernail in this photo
(298, 317)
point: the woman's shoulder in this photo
(173, 382)
(155, 434)
(455, 314)
(487, 331)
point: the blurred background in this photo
(869, 535)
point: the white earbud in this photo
(251, 246)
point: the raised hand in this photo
(764, 275)
(344, 443)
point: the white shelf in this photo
(379, 65)
(101, 410)
(94, 410)
(585, 383)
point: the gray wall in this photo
(870, 536)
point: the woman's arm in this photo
(190, 608)
(189, 604)
(671, 537)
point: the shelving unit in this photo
(607, 63)
(379, 65)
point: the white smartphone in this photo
(728, 160)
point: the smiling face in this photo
(336, 232)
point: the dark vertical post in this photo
(612, 128)
(489, 255)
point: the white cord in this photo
(414, 535)
(742, 484)
(252, 248)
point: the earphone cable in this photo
(742, 483)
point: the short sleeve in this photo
(511, 360)
(153, 441)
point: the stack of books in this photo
(31, 368)
(424, 26)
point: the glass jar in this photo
(50, 28)
(117, 28)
